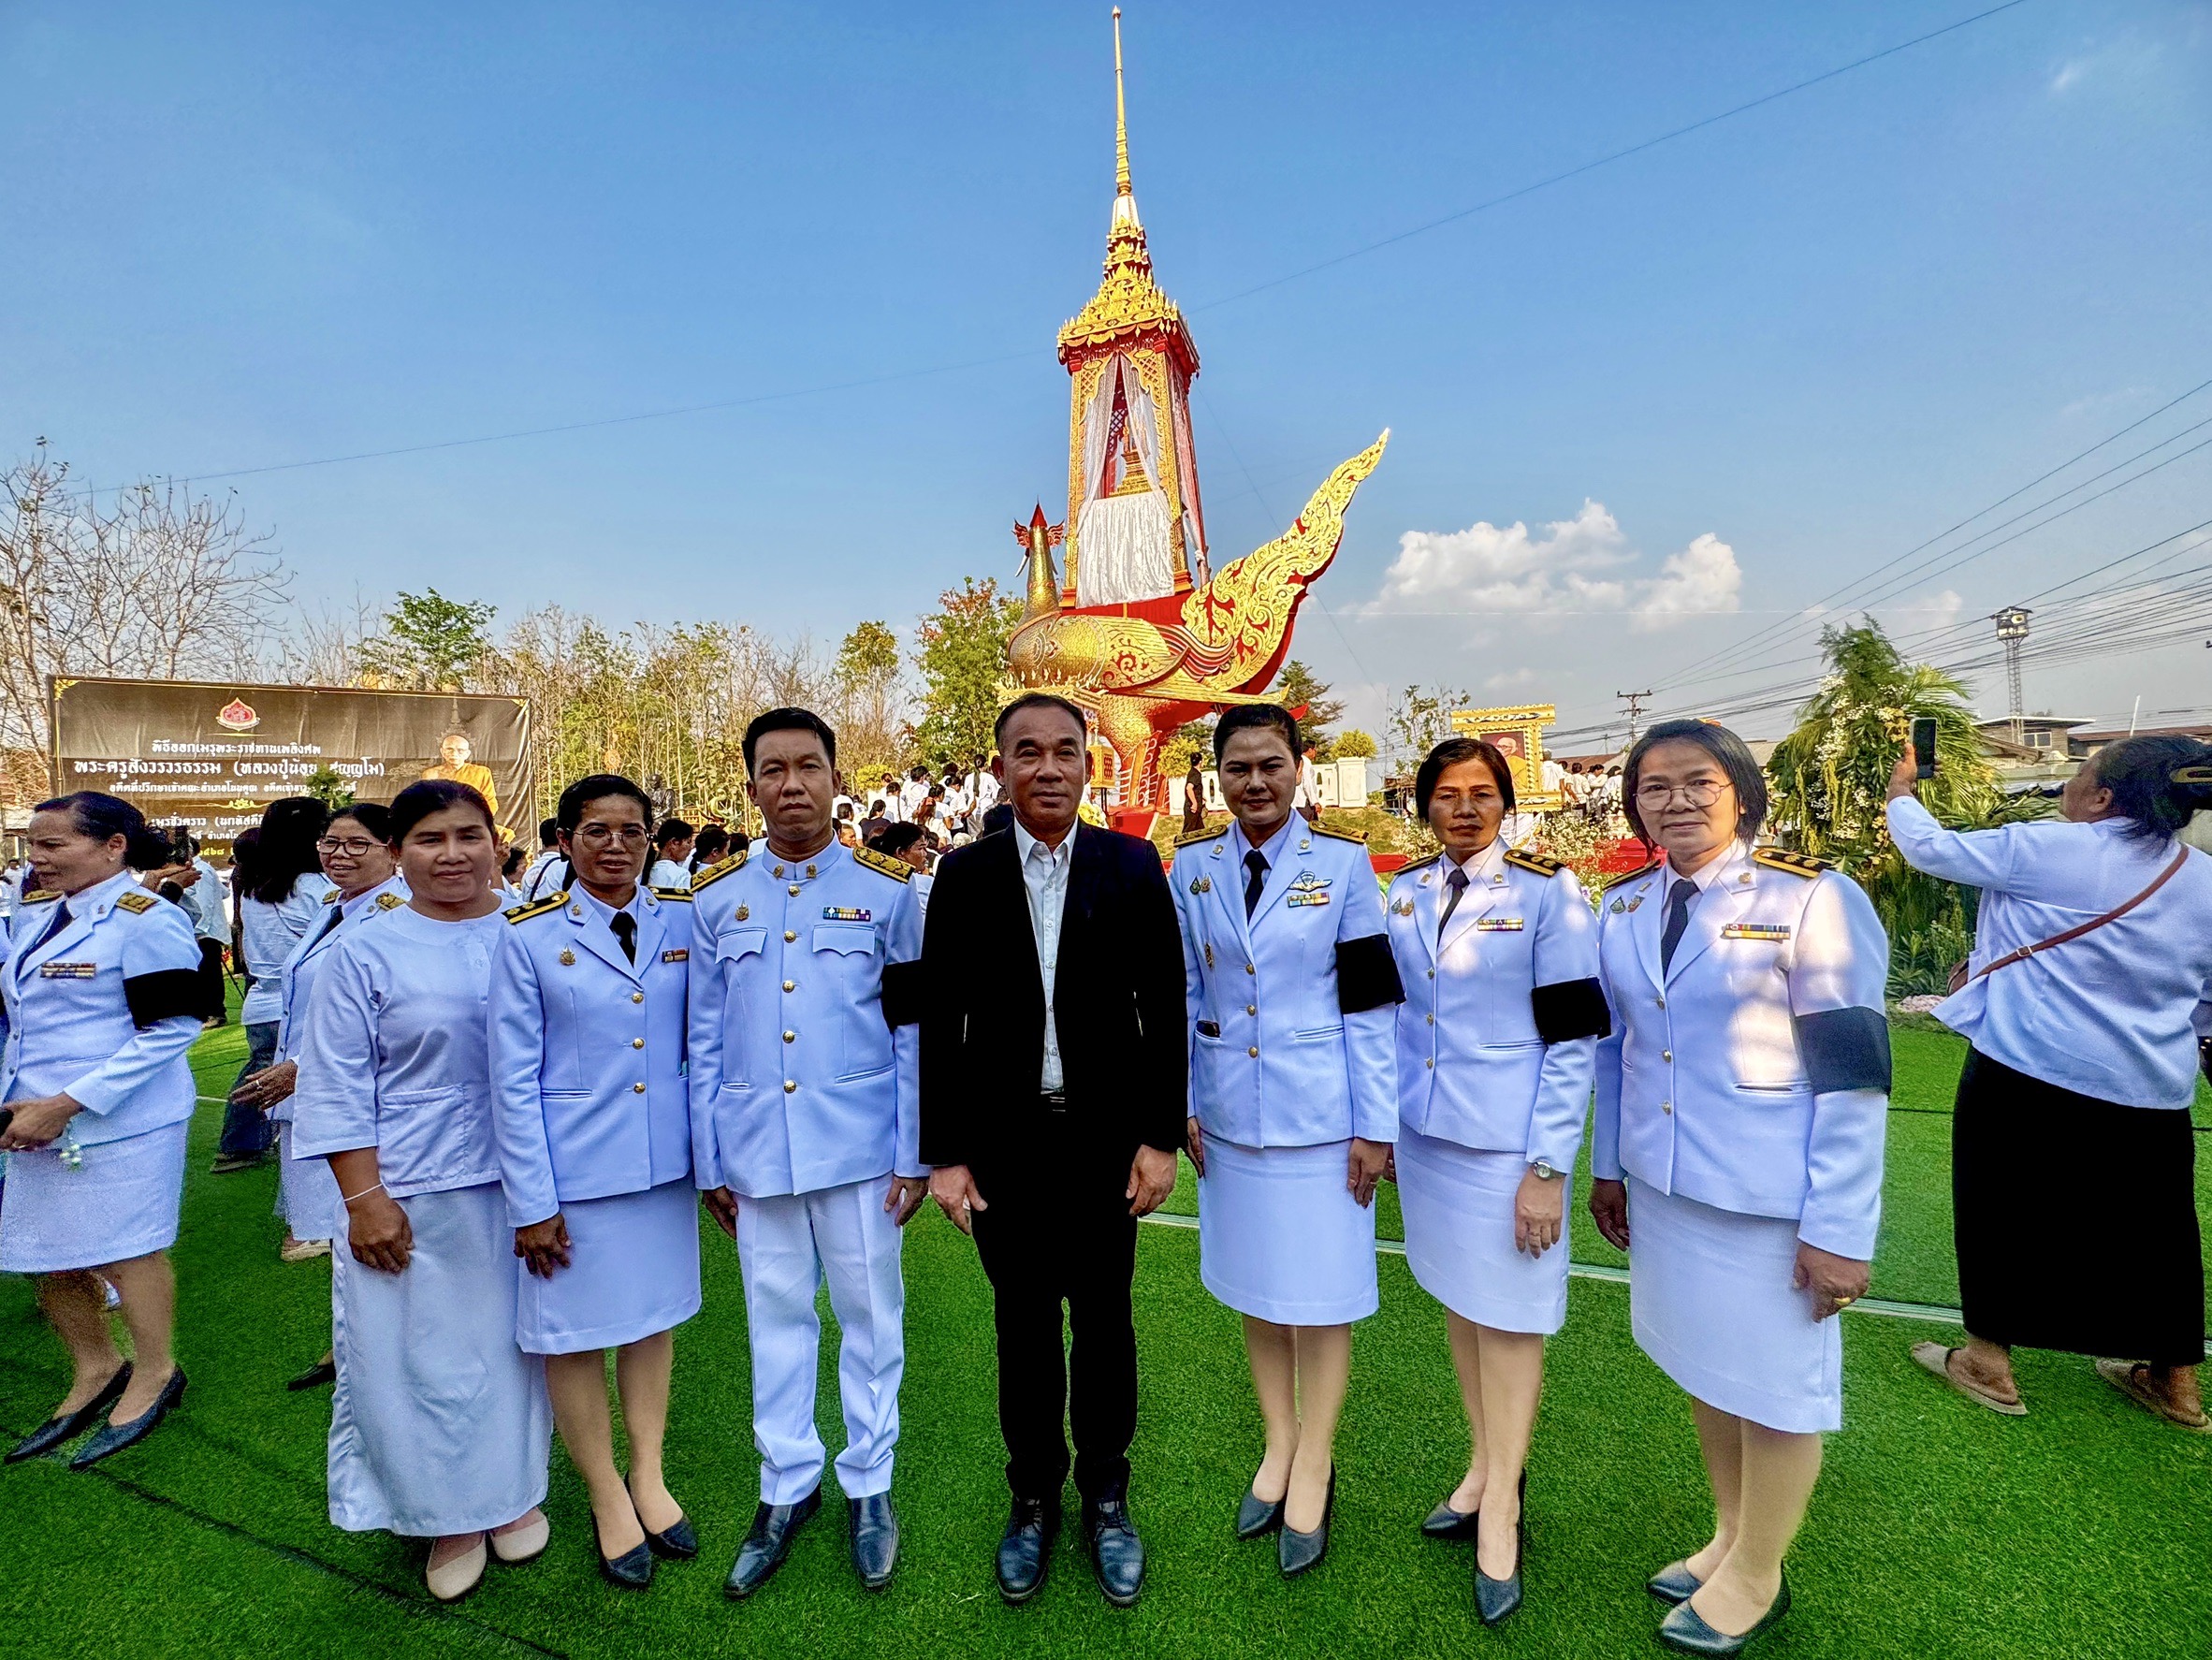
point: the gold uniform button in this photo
(637, 996)
(1254, 1053)
(1667, 1107)
(1428, 1063)
(1432, 974)
(1432, 1019)
(789, 1086)
(637, 1042)
(637, 1089)
(790, 986)
(1251, 1008)
(795, 890)
(1666, 1055)
(1662, 1002)
(1250, 969)
(789, 935)
(790, 1037)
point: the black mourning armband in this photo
(1569, 1008)
(165, 995)
(902, 994)
(1366, 974)
(1844, 1049)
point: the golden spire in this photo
(1121, 118)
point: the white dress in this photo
(439, 1424)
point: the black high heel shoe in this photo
(1257, 1517)
(677, 1542)
(1686, 1630)
(1443, 1523)
(633, 1570)
(59, 1430)
(1295, 1552)
(1494, 1600)
(112, 1437)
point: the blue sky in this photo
(1776, 351)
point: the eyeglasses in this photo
(352, 849)
(600, 835)
(1698, 792)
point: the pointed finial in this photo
(1121, 121)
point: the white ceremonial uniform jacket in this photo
(1754, 1075)
(587, 1051)
(296, 983)
(1497, 1038)
(806, 1060)
(396, 1053)
(1292, 1012)
(102, 1012)
(2108, 1015)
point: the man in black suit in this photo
(1054, 1073)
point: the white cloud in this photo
(1567, 565)
(1508, 680)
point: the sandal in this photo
(2128, 1378)
(1934, 1357)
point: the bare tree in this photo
(162, 583)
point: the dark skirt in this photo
(2076, 1220)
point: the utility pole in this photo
(1634, 700)
(2012, 629)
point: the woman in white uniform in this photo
(588, 1005)
(103, 999)
(356, 856)
(2082, 1049)
(1743, 1099)
(1290, 988)
(1497, 1038)
(279, 904)
(440, 1427)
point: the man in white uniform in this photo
(805, 1131)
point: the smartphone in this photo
(1924, 746)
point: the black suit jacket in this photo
(1117, 1001)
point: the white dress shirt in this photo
(1044, 879)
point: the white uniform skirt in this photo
(1280, 1237)
(120, 1203)
(307, 1193)
(632, 1269)
(1710, 1301)
(1458, 1204)
(439, 1424)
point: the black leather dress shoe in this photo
(1685, 1630)
(1025, 1551)
(58, 1432)
(1674, 1582)
(1256, 1516)
(1117, 1555)
(677, 1542)
(1496, 1599)
(774, 1529)
(633, 1570)
(873, 1525)
(315, 1376)
(1297, 1551)
(112, 1437)
(1443, 1523)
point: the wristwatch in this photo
(1543, 1171)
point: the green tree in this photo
(962, 662)
(430, 643)
(327, 785)
(870, 713)
(1355, 744)
(1297, 688)
(1420, 720)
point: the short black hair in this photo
(2159, 781)
(789, 720)
(372, 816)
(1272, 717)
(548, 833)
(670, 830)
(1039, 700)
(998, 816)
(569, 812)
(427, 798)
(739, 841)
(712, 839)
(895, 840)
(1735, 758)
(1450, 753)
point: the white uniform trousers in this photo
(789, 1246)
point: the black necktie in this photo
(1457, 883)
(61, 920)
(1677, 918)
(332, 916)
(625, 928)
(1256, 862)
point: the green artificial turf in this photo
(1938, 1528)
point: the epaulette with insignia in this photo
(1542, 863)
(883, 863)
(720, 869)
(43, 896)
(1337, 835)
(546, 907)
(333, 897)
(679, 895)
(136, 902)
(1191, 837)
(1804, 865)
(1420, 864)
(389, 901)
(1644, 869)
